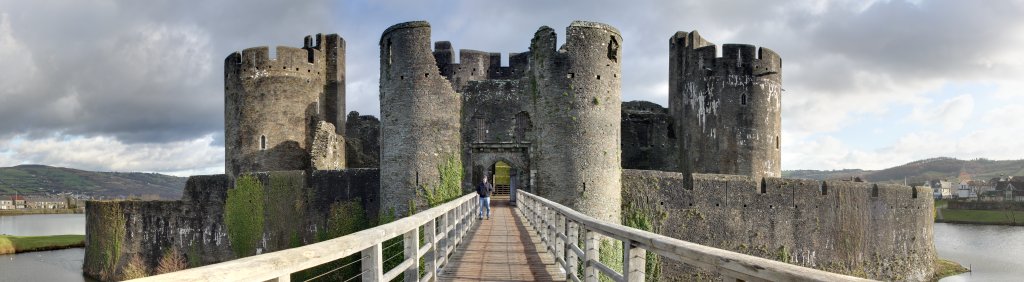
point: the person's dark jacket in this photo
(484, 190)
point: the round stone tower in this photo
(419, 117)
(577, 96)
(273, 106)
(727, 109)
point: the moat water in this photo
(995, 253)
(59, 265)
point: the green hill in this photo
(921, 171)
(40, 179)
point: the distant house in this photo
(46, 203)
(6, 204)
(19, 201)
(966, 192)
(941, 189)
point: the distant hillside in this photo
(40, 179)
(921, 171)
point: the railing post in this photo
(373, 264)
(430, 237)
(412, 251)
(634, 260)
(592, 254)
(559, 243)
(447, 237)
(571, 259)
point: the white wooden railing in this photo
(559, 228)
(443, 227)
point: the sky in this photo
(137, 85)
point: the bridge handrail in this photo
(279, 265)
(560, 226)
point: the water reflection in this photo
(42, 224)
(60, 265)
(995, 253)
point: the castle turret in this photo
(275, 106)
(727, 109)
(577, 95)
(419, 117)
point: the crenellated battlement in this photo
(477, 65)
(747, 192)
(318, 58)
(699, 57)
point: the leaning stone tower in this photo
(577, 97)
(419, 117)
(288, 112)
(727, 109)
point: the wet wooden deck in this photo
(503, 248)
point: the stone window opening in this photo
(523, 126)
(389, 52)
(613, 49)
(263, 142)
(764, 186)
(743, 99)
(426, 75)
(914, 191)
(778, 143)
(599, 77)
(874, 190)
(823, 188)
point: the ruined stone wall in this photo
(877, 231)
(727, 109)
(272, 105)
(648, 137)
(296, 209)
(420, 115)
(577, 96)
(362, 141)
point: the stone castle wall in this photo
(878, 231)
(272, 106)
(420, 115)
(648, 137)
(297, 207)
(728, 109)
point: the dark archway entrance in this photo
(506, 164)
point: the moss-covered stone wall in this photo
(218, 220)
(870, 230)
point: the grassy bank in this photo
(944, 268)
(995, 217)
(40, 211)
(19, 244)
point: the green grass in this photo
(983, 216)
(944, 268)
(19, 244)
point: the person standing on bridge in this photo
(485, 190)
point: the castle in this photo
(705, 170)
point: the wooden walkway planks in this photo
(503, 248)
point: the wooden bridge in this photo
(537, 240)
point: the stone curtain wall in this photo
(648, 137)
(835, 226)
(296, 210)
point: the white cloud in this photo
(951, 114)
(104, 153)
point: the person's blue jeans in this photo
(485, 203)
